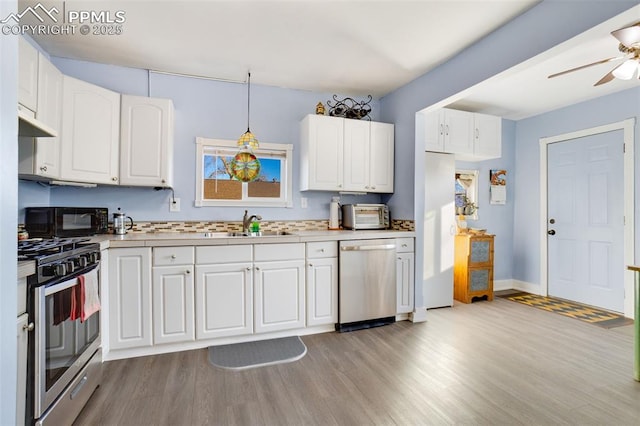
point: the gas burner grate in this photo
(30, 249)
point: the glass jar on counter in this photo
(22, 233)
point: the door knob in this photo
(551, 232)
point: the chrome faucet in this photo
(246, 220)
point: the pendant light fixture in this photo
(245, 166)
(248, 139)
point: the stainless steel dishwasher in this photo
(367, 286)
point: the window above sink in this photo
(215, 186)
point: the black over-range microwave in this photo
(49, 222)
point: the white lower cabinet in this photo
(404, 275)
(279, 289)
(322, 283)
(172, 294)
(224, 295)
(130, 323)
(21, 385)
(173, 304)
(279, 295)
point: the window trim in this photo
(287, 178)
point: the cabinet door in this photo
(90, 133)
(321, 153)
(434, 131)
(480, 279)
(404, 282)
(322, 291)
(130, 298)
(224, 295)
(27, 75)
(481, 251)
(279, 295)
(22, 333)
(458, 130)
(381, 151)
(47, 150)
(487, 136)
(172, 295)
(356, 155)
(146, 141)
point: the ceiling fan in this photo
(629, 38)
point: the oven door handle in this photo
(70, 282)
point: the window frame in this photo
(276, 149)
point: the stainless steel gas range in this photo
(64, 356)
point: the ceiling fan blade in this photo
(607, 78)
(603, 61)
(628, 36)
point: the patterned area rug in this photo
(599, 317)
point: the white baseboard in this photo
(418, 315)
(502, 285)
(528, 287)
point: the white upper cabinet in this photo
(339, 154)
(28, 75)
(487, 136)
(146, 141)
(90, 133)
(41, 156)
(471, 136)
(321, 153)
(448, 130)
(381, 157)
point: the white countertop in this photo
(159, 239)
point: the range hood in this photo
(32, 127)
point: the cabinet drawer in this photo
(223, 254)
(268, 252)
(404, 245)
(172, 256)
(322, 249)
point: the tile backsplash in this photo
(288, 225)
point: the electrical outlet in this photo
(174, 204)
(303, 203)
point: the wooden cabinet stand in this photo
(473, 267)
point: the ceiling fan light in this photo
(626, 70)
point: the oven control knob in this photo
(69, 266)
(59, 270)
(81, 261)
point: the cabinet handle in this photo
(43, 168)
(339, 185)
(404, 245)
(477, 134)
(311, 264)
(321, 250)
(373, 187)
(173, 256)
(188, 271)
(257, 268)
(115, 179)
(163, 181)
(248, 268)
(441, 129)
(446, 129)
(29, 327)
(366, 187)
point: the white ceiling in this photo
(340, 46)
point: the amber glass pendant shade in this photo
(248, 140)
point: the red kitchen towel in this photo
(90, 300)
(76, 301)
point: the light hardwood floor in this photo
(488, 363)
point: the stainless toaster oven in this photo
(365, 216)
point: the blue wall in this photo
(542, 27)
(596, 112)
(205, 108)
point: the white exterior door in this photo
(585, 220)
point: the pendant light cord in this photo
(248, 99)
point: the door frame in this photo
(627, 126)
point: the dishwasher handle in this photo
(367, 248)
